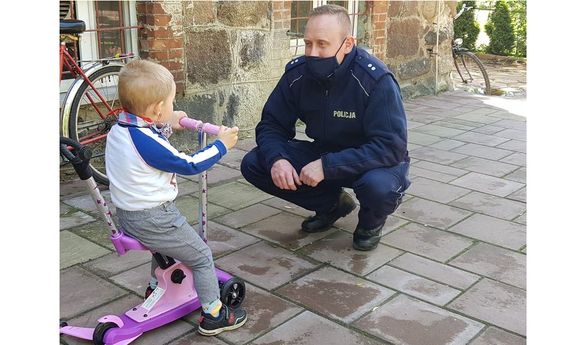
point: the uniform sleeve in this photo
(385, 127)
(159, 154)
(277, 124)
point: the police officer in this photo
(352, 107)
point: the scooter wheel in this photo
(100, 331)
(233, 292)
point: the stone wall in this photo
(227, 56)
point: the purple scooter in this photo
(175, 296)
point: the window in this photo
(300, 10)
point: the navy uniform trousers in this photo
(379, 191)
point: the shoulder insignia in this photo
(374, 67)
(295, 62)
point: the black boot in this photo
(323, 221)
(366, 239)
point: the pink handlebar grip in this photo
(199, 125)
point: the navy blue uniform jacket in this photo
(356, 118)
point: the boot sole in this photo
(220, 330)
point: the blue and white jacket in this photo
(356, 119)
(142, 165)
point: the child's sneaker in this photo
(228, 320)
(148, 292)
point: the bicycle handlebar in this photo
(199, 125)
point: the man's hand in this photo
(284, 175)
(312, 173)
(175, 120)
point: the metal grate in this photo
(66, 10)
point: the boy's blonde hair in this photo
(142, 83)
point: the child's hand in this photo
(229, 136)
(176, 117)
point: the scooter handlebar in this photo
(198, 125)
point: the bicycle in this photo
(472, 73)
(91, 104)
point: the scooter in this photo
(175, 295)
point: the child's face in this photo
(167, 107)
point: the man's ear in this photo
(348, 45)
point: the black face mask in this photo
(323, 68)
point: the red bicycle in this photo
(91, 104)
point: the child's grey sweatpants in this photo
(165, 230)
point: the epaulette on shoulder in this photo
(374, 67)
(295, 62)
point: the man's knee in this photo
(380, 188)
(250, 164)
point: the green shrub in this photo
(519, 15)
(500, 30)
(466, 26)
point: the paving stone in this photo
(236, 195)
(490, 205)
(436, 156)
(412, 147)
(285, 230)
(514, 145)
(75, 249)
(496, 336)
(439, 131)
(436, 191)
(219, 173)
(246, 144)
(264, 265)
(349, 223)
(223, 240)
(310, 329)
(135, 279)
(414, 124)
(335, 294)
(426, 241)
(73, 219)
(431, 213)
(248, 215)
(415, 171)
(434, 270)
(496, 263)
(496, 303)
(86, 203)
(265, 312)
(422, 138)
(189, 206)
(513, 134)
(447, 144)
(479, 115)
(492, 230)
(485, 166)
(287, 206)
(482, 151)
(444, 169)
(187, 188)
(338, 251)
(423, 117)
(481, 139)
(459, 124)
(487, 184)
(81, 290)
(517, 158)
(112, 264)
(519, 195)
(96, 232)
(407, 321)
(161, 335)
(414, 285)
(521, 219)
(197, 339)
(233, 158)
(519, 175)
(488, 129)
(512, 124)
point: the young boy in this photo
(142, 166)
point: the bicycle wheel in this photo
(471, 74)
(91, 117)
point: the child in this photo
(142, 166)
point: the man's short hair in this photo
(334, 10)
(142, 83)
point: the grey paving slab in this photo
(520, 195)
(514, 145)
(512, 124)
(436, 191)
(311, 329)
(75, 249)
(426, 241)
(519, 175)
(513, 134)
(496, 263)
(422, 138)
(492, 230)
(75, 218)
(112, 264)
(437, 156)
(246, 144)
(444, 169)
(248, 215)
(337, 251)
(414, 124)
(223, 240)
(335, 294)
(521, 219)
(415, 171)
(490, 205)
(96, 232)
(412, 146)
(434, 270)
(189, 207)
(86, 203)
(496, 303)
(482, 151)
(447, 144)
(431, 213)
(481, 139)
(264, 265)
(161, 335)
(81, 290)
(479, 115)
(233, 158)
(135, 279)
(408, 321)
(517, 158)
(488, 129)
(485, 166)
(287, 206)
(187, 187)
(413, 285)
(236, 195)
(220, 173)
(197, 339)
(496, 336)
(460, 124)
(440, 131)
(285, 230)
(488, 184)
